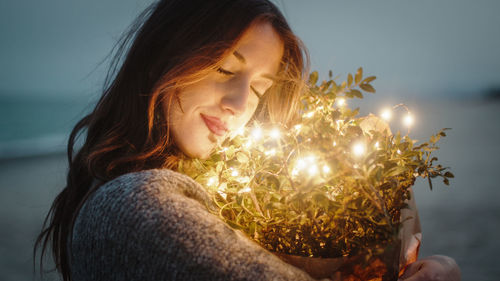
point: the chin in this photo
(203, 153)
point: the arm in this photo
(154, 225)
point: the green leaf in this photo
(369, 79)
(449, 175)
(357, 94)
(349, 79)
(359, 75)
(313, 78)
(242, 157)
(367, 88)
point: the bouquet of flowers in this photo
(325, 194)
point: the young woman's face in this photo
(225, 100)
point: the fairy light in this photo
(257, 133)
(244, 190)
(223, 194)
(247, 144)
(300, 164)
(376, 145)
(275, 133)
(270, 152)
(298, 127)
(235, 173)
(309, 114)
(386, 114)
(212, 181)
(358, 149)
(310, 159)
(341, 102)
(408, 120)
(334, 143)
(326, 169)
(240, 131)
(243, 179)
(313, 170)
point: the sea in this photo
(36, 126)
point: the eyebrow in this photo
(240, 57)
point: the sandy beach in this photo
(462, 221)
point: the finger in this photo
(411, 270)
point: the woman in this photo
(194, 73)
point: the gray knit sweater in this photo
(154, 225)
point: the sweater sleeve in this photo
(154, 225)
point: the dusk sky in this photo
(445, 48)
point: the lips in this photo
(214, 124)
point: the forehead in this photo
(260, 46)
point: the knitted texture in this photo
(155, 225)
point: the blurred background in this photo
(441, 58)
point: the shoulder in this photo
(143, 203)
(148, 187)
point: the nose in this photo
(235, 97)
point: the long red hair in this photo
(171, 45)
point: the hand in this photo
(433, 268)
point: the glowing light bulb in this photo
(270, 152)
(240, 131)
(313, 170)
(212, 181)
(235, 173)
(408, 120)
(295, 172)
(223, 194)
(300, 164)
(244, 190)
(248, 144)
(309, 114)
(243, 179)
(376, 145)
(310, 159)
(334, 143)
(341, 102)
(326, 169)
(257, 133)
(358, 149)
(386, 114)
(275, 133)
(298, 127)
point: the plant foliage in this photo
(332, 185)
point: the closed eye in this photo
(225, 72)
